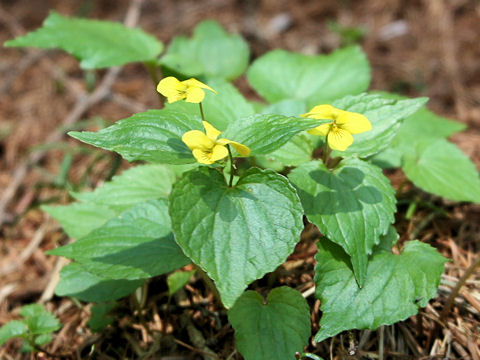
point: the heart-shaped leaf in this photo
(439, 167)
(395, 287)
(236, 234)
(280, 75)
(271, 329)
(353, 205)
(210, 52)
(424, 122)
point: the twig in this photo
(28, 251)
(54, 279)
(196, 337)
(308, 292)
(422, 225)
(83, 103)
(411, 342)
(190, 347)
(331, 347)
(127, 103)
(364, 338)
(448, 305)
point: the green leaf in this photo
(388, 158)
(32, 310)
(424, 122)
(136, 245)
(395, 287)
(154, 136)
(288, 107)
(100, 319)
(264, 134)
(133, 186)
(280, 75)
(274, 329)
(220, 109)
(235, 234)
(210, 52)
(441, 168)
(79, 283)
(353, 205)
(387, 241)
(38, 320)
(97, 44)
(78, 219)
(429, 125)
(43, 339)
(12, 329)
(177, 280)
(299, 149)
(295, 152)
(386, 116)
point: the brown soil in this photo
(416, 47)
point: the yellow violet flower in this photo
(206, 148)
(339, 131)
(191, 90)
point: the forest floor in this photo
(416, 47)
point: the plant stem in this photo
(326, 151)
(201, 111)
(232, 169)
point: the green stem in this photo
(232, 169)
(326, 152)
(152, 71)
(201, 111)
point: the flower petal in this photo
(176, 97)
(203, 157)
(241, 149)
(168, 86)
(354, 123)
(212, 133)
(195, 139)
(321, 130)
(194, 95)
(219, 152)
(339, 139)
(326, 112)
(195, 83)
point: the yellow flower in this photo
(191, 90)
(206, 148)
(339, 131)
